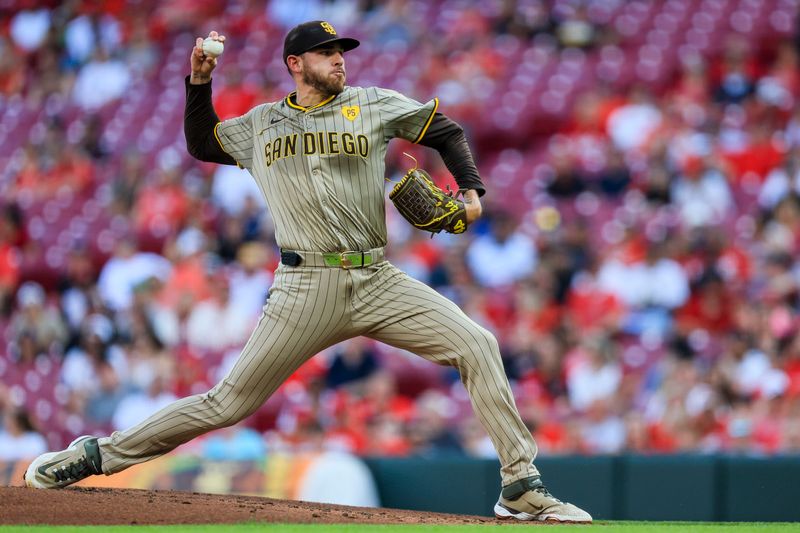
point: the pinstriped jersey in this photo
(321, 169)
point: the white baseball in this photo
(212, 48)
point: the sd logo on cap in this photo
(310, 35)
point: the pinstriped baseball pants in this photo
(310, 309)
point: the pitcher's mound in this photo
(90, 506)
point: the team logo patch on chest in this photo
(350, 112)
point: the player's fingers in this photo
(213, 34)
(221, 38)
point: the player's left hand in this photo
(428, 207)
(472, 203)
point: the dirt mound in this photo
(90, 506)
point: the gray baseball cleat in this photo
(55, 470)
(529, 499)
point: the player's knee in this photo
(491, 342)
(484, 346)
(488, 341)
(223, 404)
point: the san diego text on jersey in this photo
(311, 143)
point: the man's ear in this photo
(295, 64)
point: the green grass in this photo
(597, 527)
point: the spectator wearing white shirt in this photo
(631, 125)
(792, 131)
(29, 28)
(19, 439)
(781, 181)
(593, 373)
(139, 405)
(218, 322)
(504, 255)
(231, 187)
(83, 34)
(603, 431)
(651, 288)
(250, 282)
(127, 269)
(701, 193)
(100, 81)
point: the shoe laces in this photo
(76, 470)
(541, 489)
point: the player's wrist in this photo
(471, 195)
(199, 79)
(474, 211)
(472, 205)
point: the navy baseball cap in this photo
(309, 35)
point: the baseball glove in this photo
(426, 206)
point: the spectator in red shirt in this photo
(590, 306)
(162, 206)
(710, 306)
(10, 235)
(236, 97)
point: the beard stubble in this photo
(321, 83)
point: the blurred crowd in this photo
(637, 261)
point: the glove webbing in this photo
(421, 206)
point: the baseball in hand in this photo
(212, 48)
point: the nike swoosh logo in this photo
(275, 120)
(43, 469)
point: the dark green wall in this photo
(760, 489)
(631, 487)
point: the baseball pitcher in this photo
(318, 158)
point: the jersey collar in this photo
(293, 105)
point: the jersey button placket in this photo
(318, 183)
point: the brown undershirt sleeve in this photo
(447, 137)
(199, 121)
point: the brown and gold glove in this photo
(426, 206)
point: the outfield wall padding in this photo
(629, 487)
